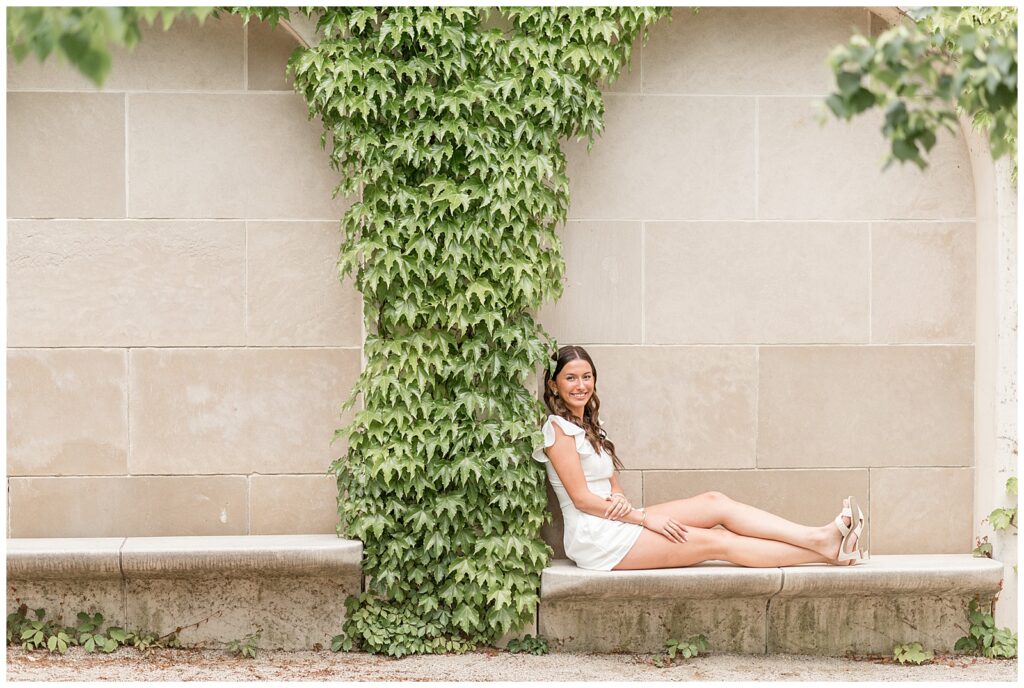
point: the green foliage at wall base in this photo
(534, 645)
(42, 633)
(450, 130)
(983, 638)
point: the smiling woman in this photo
(603, 531)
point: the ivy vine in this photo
(450, 132)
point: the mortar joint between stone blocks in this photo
(245, 57)
(127, 214)
(124, 581)
(128, 408)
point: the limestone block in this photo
(811, 497)
(834, 172)
(865, 406)
(602, 298)
(562, 580)
(126, 283)
(66, 576)
(923, 282)
(936, 574)
(67, 412)
(666, 158)
(876, 25)
(293, 296)
(753, 283)
(238, 410)
(268, 53)
(642, 625)
(187, 56)
(884, 18)
(118, 506)
(253, 156)
(64, 558)
(632, 486)
(865, 624)
(293, 612)
(65, 155)
(672, 407)
(922, 510)
(747, 50)
(64, 598)
(193, 558)
(636, 611)
(293, 504)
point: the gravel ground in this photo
(217, 665)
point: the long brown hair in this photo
(590, 422)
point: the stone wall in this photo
(179, 342)
(771, 315)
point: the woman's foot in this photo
(834, 539)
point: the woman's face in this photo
(575, 385)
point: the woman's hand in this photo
(618, 508)
(667, 526)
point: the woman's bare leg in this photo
(654, 551)
(714, 508)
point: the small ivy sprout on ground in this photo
(913, 653)
(247, 646)
(687, 649)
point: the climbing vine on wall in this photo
(449, 131)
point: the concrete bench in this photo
(810, 609)
(294, 586)
(291, 586)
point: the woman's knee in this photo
(716, 505)
(715, 497)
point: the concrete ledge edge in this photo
(882, 575)
(185, 557)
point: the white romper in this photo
(591, 541)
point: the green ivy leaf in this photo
(1001, 519)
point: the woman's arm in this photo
(618, 506)
(615, 485)
(566, 462)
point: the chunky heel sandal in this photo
(856, 528)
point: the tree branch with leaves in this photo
(948, 62)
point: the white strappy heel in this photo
(856, 528)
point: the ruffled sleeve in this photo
(549, 435)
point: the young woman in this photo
(603, 531)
